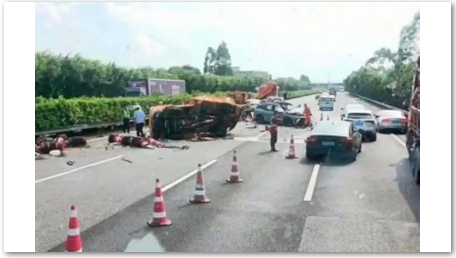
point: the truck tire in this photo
(416, 166)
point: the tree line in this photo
(388, 75)
(75, 76)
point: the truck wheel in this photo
(416, 173)
(415, 165)
(259, 119)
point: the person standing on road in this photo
(126, 119)
(307, 115)
(140, 118)
(273, 130)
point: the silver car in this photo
(364, 121)
(391, 120)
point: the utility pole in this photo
(329, 79)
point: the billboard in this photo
(137, 87)
(166, 87)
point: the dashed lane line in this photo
(312, 183)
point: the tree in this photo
(209, 60)
(392, 84)
(304, 79)
(218, 62)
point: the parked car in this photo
(391, 120)
(340, 139)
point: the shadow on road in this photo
(331, 162)
(409, 189)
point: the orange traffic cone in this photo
(74, 241)
(200, 191)
(291, 150)
(235, 176)
(159, 218)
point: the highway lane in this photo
(103, 190)
(369, 205)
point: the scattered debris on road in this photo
(129, 161)
(44, 145)
(140, 142)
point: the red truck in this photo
(270, 89)
(413, 131)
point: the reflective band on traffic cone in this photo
(74, 242)
(159, 218)
(235, 175)
(200, 191)
(291, 150)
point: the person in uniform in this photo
(126, 119)
(273, 130)
(307, 115)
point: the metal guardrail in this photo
(380, 104)
(81, 127)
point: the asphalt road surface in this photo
(283, 205)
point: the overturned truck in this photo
(204, 115)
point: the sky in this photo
(325, 41)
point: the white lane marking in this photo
(280, 140)
(312, 182)
(261, 134)
(399, 140)
(78, 169)
(182, 179)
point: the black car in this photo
(338, 139)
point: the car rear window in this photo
(359, 116)
(391, 113)
(331, 128)
(326, 99)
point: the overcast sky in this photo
(285, 39)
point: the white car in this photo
(326, 102)
(364, 121)
(253, 103)
(350, 107)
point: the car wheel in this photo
(353, 159)
(374, 138)
(259, 119)
(310, 157)
(287, 122)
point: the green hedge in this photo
(53, 114)
(75, 76)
